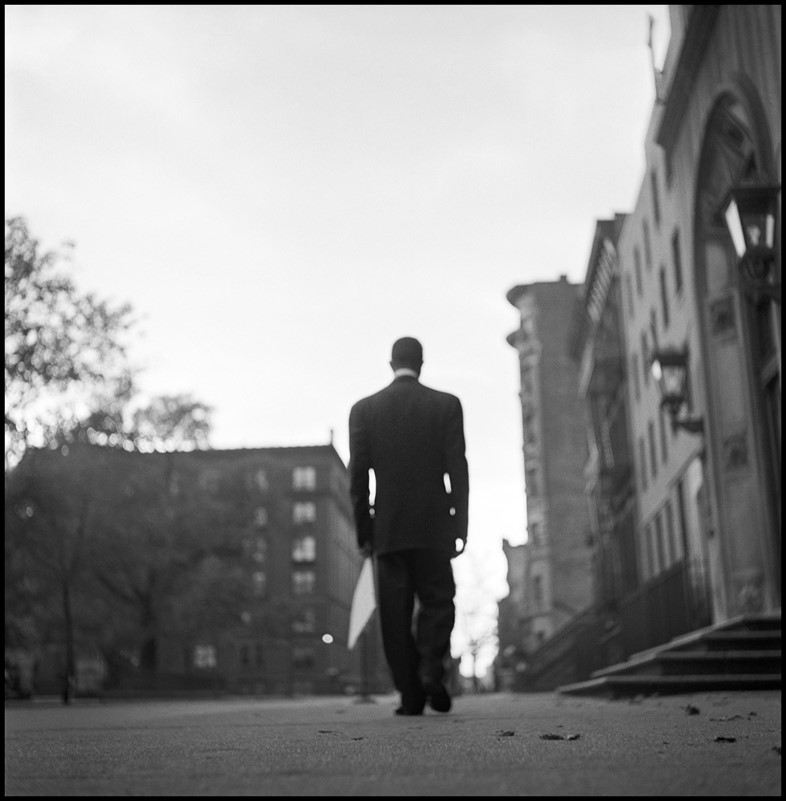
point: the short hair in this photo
(407, 352)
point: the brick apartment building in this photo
(557, 580)
(282, 517)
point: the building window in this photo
(649, 567)
(655, 199)
(664, 298)
(645, 359)
(643, 463)
(671, 538)
(531, 481)
(537, 591)
(659, 544)
(677, 258)
(303, 658)
(260, 479)
(529, 429)
(260, 517)
(304, 512)
(526, 382)
(259, 583)
(304, 548)
(629, 293)
(654, 326)
(304, 582)
(204, 657)
(682, 522)
(304, 478)
(645, 226)
(259, 550)
(653, 449)
(304, 621)
(637, 266)
(664, 444)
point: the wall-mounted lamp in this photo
(750, 213)
(670, 369)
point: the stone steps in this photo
(741, 654)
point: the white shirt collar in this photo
(404, 371)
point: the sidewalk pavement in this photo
(704, 744)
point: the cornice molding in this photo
(700, 26)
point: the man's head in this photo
(407, 352)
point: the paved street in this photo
(516, 745)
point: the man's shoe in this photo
(412, 703)
(438, 697)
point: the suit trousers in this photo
(415, 642)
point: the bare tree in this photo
(476, 609)
(48, 521)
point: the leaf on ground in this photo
(506, 733)
(551, 737)
(691, 710)
(725, 739)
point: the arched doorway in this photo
(741, 357)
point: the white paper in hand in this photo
(363, 603)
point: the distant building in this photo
(303, 564)
(598, 344)
(557, 584)
(283, 515)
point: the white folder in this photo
(364, 602)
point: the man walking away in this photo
(412, 437)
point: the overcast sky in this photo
(282, 191)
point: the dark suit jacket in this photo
(410, 436)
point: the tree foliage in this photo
(166, 423)
(170, 422)
(56, 338)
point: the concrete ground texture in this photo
(710, 744)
